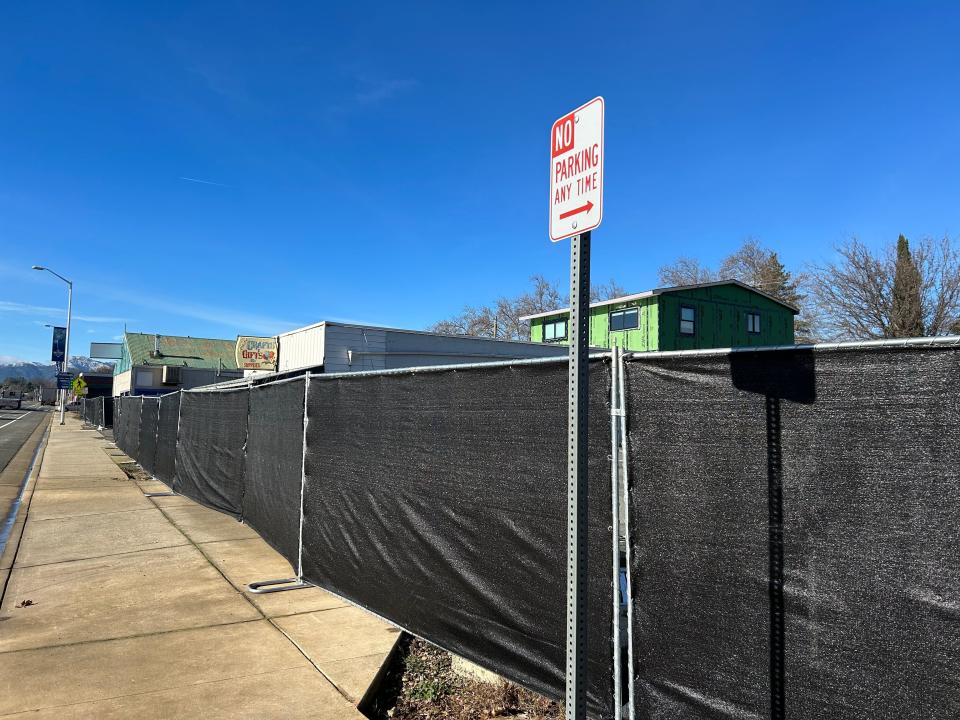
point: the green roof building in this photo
(159, 364)
(688, 317)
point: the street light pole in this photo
(66, 343)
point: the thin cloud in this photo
(237, 321)
(203, 182)
(7, 307)
(377, 92)
(372, 93)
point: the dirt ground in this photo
(422, 685)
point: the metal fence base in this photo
(280, 585)
(166, 493)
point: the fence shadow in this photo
(791, 378)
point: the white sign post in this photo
(576, 171)
(576, 208)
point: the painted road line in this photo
(13, 421)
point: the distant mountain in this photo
(35, 371)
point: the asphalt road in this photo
(16, 426)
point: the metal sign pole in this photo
(577, 483)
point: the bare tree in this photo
(501, 319)
(606, 291)
(685, 271)
(855, 293)
(939, 265)
(758, 267)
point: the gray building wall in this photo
(351, 348)
(342, 347)
(148, 379)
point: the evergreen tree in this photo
(774, 279)
(761, 268)
(906, 307)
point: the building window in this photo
(144, 378)
(624, 319)
(555, 330)
(688, 320)
(753, 323)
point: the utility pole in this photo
(66, 344)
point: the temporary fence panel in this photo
(130, 418)
(210, 463)
(794, 525)
(438, 501)
(274, 465)
(106, 412)
(132, 408)
(167, 419)
(121, 429)
(149, 417)
(117, 431)
(118, 422)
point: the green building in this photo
(688, 317)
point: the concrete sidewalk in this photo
(122, 606)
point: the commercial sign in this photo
(59, 344)
(576, 171)
(64, 380)
(109, 351)
(257, 353)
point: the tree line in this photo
(899, 291)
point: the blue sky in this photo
(388, 163)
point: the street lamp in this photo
(66, 343)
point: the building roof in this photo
(183, 351)
(662, 291)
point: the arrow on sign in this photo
(576, 211)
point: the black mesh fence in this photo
(274, 465)
(149, 417)
(106, 412)
(117, 422)
(127, 431)
(168, 417)
(119, 425)
(795, 531)
(438, 501)
(210, 462)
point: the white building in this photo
(333, 347)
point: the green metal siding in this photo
(123, 364)
(722, 319)
(643, 337)
(176, 350)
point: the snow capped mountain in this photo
(11, 367)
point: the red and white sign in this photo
(576, 171)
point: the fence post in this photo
(625, 490)
(615, 412)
